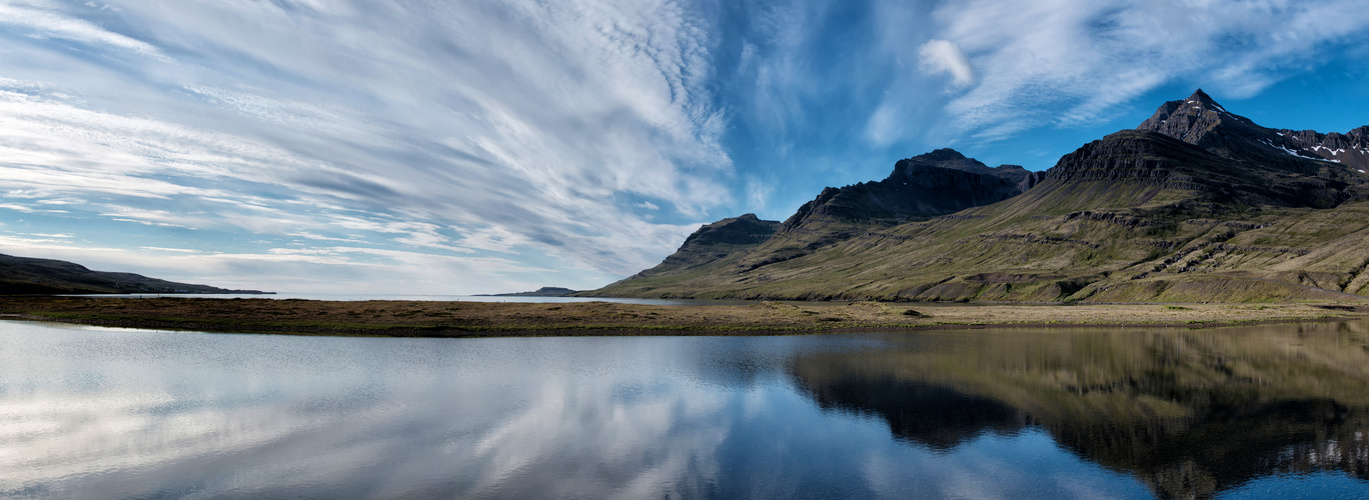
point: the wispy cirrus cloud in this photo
(1075, 61)
(475, 127)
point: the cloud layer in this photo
(529, 132)
(1071, 62)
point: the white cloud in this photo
(40, 20)
(450, 128)
(176, 250)
(17, 208)
(1076, 61)
(758, 192)
(941, 56)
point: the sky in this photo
(477, 146)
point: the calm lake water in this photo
(1270, 412)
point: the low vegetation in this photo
(482, 319)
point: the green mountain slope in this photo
(22, 275)
(1137, 216)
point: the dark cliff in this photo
(715, 241)
(1151, 159)
(937, 183)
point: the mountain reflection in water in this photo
(1190, 413)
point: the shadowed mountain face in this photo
(715, 241)
(22, 275)
(1190, 413)
(1196, 205)
(1152, 162)
(937, 183)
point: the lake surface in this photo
(1263, 412)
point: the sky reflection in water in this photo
(88, 413)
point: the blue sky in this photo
(487, 146)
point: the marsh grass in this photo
(460, 319)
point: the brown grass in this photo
(465, 319)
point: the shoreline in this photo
(516, 319)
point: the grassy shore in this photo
(486, 319)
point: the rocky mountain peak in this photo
(928, 185)
(943, 154)
(1192, 119)
(1201, 98)
(949, 158)
(715, 241)
(1201, 121)
(741, 230)
(941, 158)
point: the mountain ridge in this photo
(1195, 204)
(26, 275)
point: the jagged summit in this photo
(1192, 119)
(1202, 99)
(1201, 121)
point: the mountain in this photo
(1194, 205)
(546, 291)
(712, 242)
(919, 188)
(23, 275)
(1200, 121)
(937, 183)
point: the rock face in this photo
(1200, 121)
(937, 183)
(23, 275)
(714, 241)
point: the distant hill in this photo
(546, 291)
(23, 275)
(1195, 205)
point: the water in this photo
(1269, 412)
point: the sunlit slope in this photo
(1136, 216)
